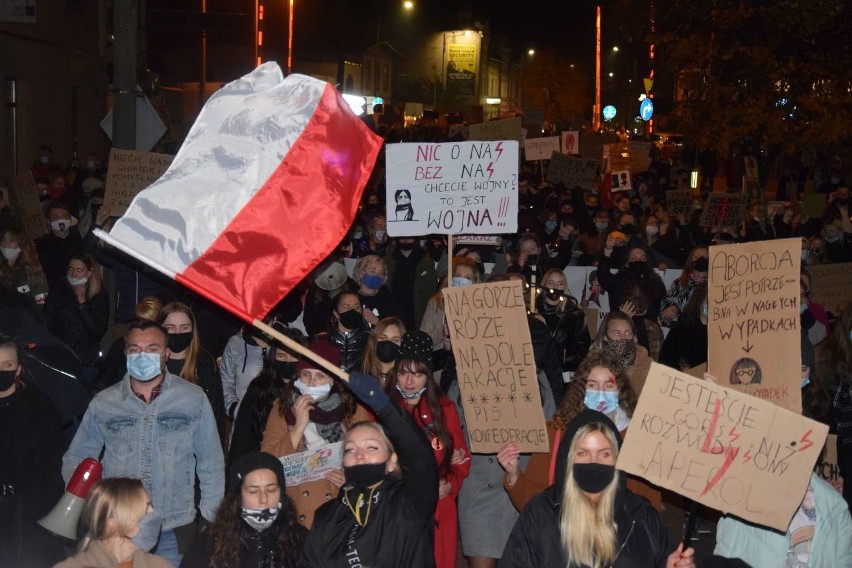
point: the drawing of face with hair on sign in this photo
(746, 371)
(404, 210)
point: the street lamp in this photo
(531, 52)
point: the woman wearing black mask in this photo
(680, 292)
(391, 490)
(347, 330)
(565, 320)
(279, 368)
(382, 349)
(587, 517)
(189, 360)
(617, 336)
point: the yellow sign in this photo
(648, 84)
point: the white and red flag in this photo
(264, 187)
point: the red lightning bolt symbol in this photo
(490, 169)
(733, 434)
(747, 456)
(729, 459)
(499, 149)
(806, 440)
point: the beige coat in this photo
(96, 556)
(638, 371)
(307, 497)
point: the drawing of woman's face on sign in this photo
(402, 196)
(746, 371)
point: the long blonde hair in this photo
(588, 530)
(121, 500)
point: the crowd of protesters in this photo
(189, 410)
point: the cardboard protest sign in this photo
(129, 173)
(571, 142)
(618, 155)
(753, 319)
(724, 449)
(479, 240)
(679, 202)
(826, 466)
(312, 465)
(496, 367)
(540, 148)
(724, 210)
(592, 144)
(831, 285)
(572, 172)
(26, 194)
(452, 188)
(814, 206)
(640, 158)
(505, 129)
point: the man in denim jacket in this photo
(159, 428)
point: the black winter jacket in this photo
(207, 377)
(259, 551)
(569, 332)
(624, 285)
(643, 540)
(80, 326)
(399, 529)
(351, 345)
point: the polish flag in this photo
(264, 187)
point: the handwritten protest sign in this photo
(572, 172)
(540, 148)
(618, 156)
(724, 210)
(592, 144)
(679, 202)
(505, 129)
(496, 367)
(26, 194)
(479, 240)
(724, 449)
(571, 142)
(452, 188)
(826, 466)
(129, 173)
(831, 285)
(753, 321)
(312, 465)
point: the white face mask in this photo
(10, 253)
(317, 393)
(78, 281)
(60, 225)
(652, 230)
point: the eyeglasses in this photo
(746, 372)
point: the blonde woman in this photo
(189, 360)
(587, 518)
(121, 528)
(20, 268)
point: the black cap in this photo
(416, 345)
(247, 463)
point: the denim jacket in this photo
(165, 444)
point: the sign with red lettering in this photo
(722, 448)
(495, 366)
(753, 320)
(452, 188)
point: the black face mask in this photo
(628, 228)
(364, 475)
(405, 246)
(387, 351)
(638, 267)
(593, 477)
(701, 264)
(350, 319)
(284, 369)
(554, 295)
(7, 379)
(179, 341)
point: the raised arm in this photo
(419, 468)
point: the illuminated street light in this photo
(408, 5)
(531, 52)
(611, 74)
(615, 48)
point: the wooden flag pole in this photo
(449, 260)
(301, 349)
